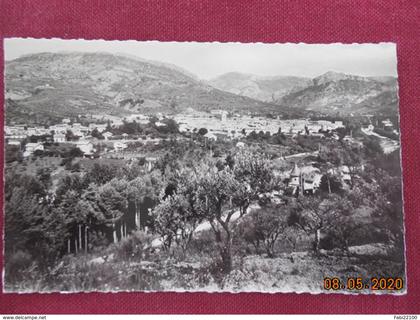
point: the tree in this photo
(167, 162)
(69, 182)
(142, 187)
(176, 218)
(101, 173)
(230, 161)
(330, 183)
(13, 153)
(252, 135)
(219, 196)
(73, 218)
(171, 126)
(75, 153)
(108, 126)
(388, 214)
(31, 224)
(70, 136)
(313, 215)
(352, 158)
(44, 176)
(267, 225)
(175, 221)
(202, 131)
(96, 134)
(112, 203)
(222, 194)
(372, 147)
(19, 209)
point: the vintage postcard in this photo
(215, 167)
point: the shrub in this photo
(16, 263)
(133, 247)
(98, 241)
(203, 243)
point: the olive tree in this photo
(314, 215)
(217, 197)
(269, 226)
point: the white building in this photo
(98, 126)
(107, 135)
(59, 128)
(85, 146)
(160, 124)
(387, 123)
(15, 132)
(119, 146)
(305, 180)
(210, 136)
(79, 130)
(139, 118)
(59, 137)
(221, 114)
(183, 128)
(345, 173)
(13, 142)
(30, 148)
(42, 131)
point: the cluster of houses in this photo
(307, 179)
(58, 133)
(217, 123)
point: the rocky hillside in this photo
(330, 93)
(341, 93)
(65, 84)
(45, 86)
(261, 88)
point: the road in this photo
(302, 154)
(206, 225)
(388, 145)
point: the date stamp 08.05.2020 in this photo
(359, 283)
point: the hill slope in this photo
(261, 88)
(330, 93)
(49, 85)
(334, 92)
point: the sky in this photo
(211, 59)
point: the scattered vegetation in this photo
(203, 218)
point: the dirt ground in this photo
(296, 272)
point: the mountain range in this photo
(260, 88)
(53, 85)
(329, 93)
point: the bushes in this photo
(134, 247)
(264, 228)
(81, 274)
(16, 263)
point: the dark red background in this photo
(310, 21)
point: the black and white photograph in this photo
(202, 167)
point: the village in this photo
(217, 124)
(94, 138)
